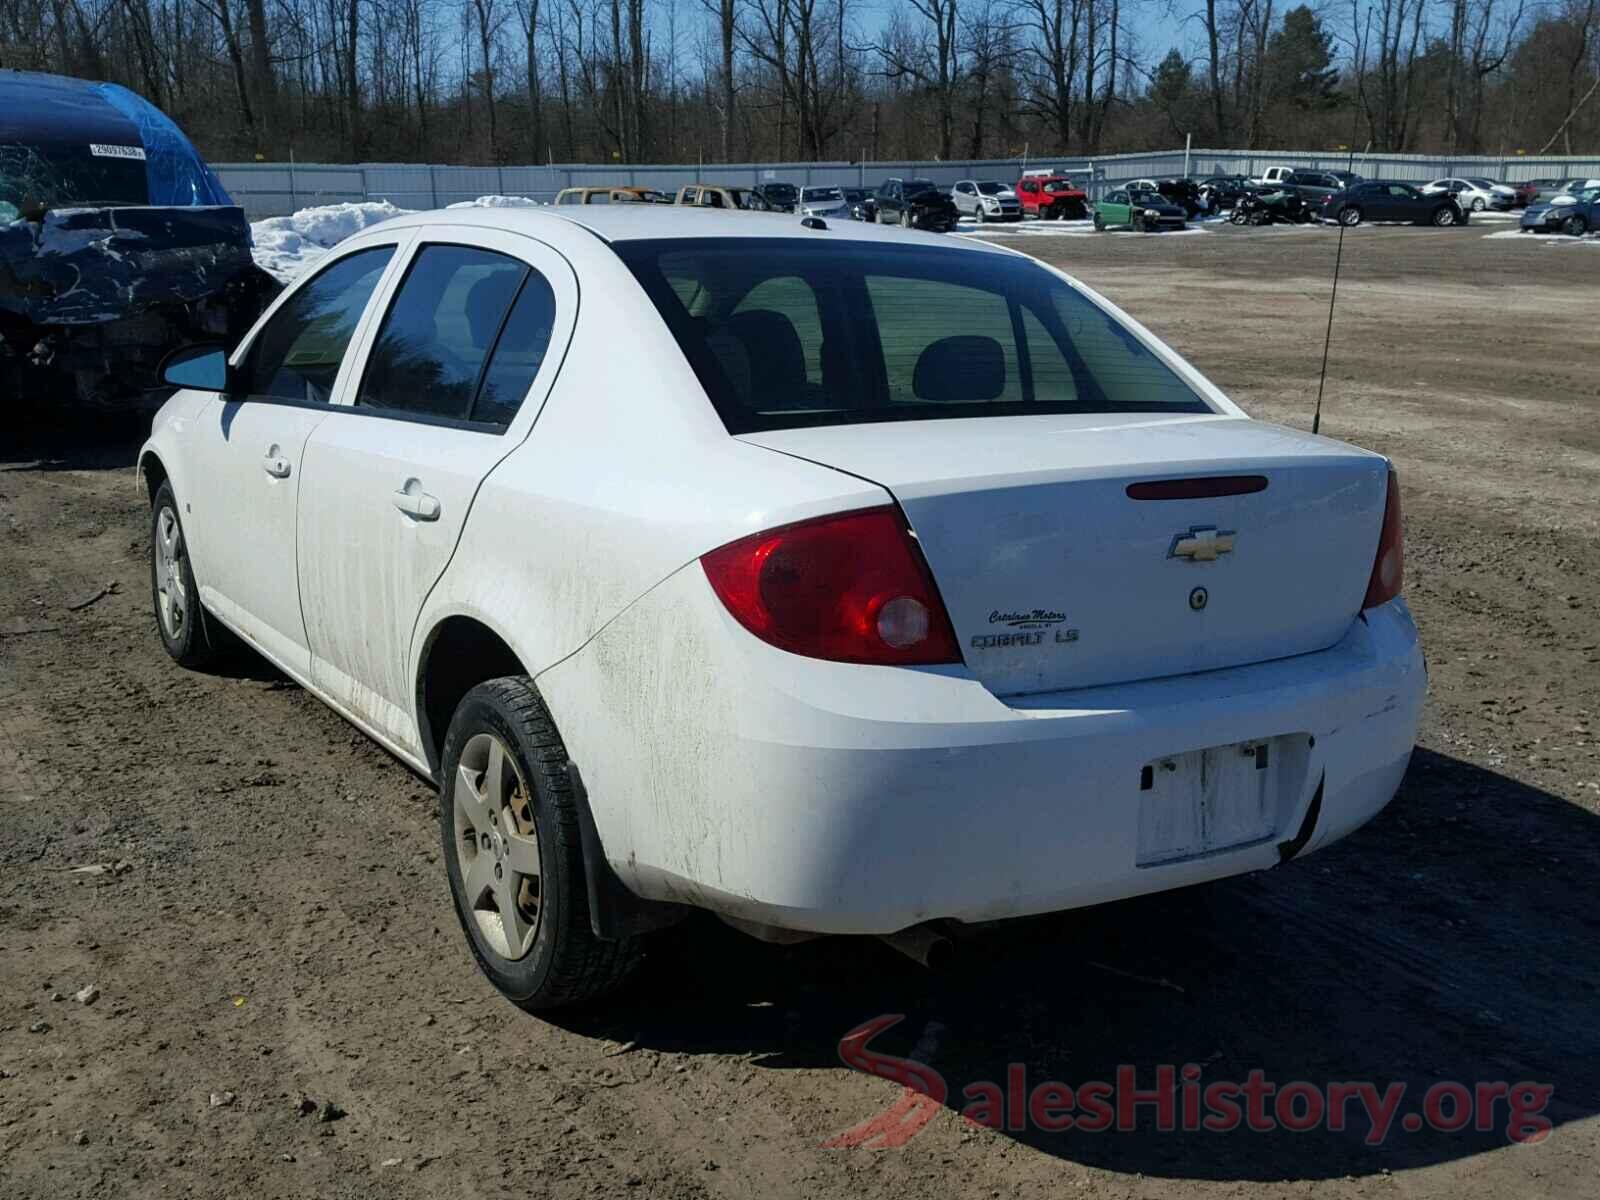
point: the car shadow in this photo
(1453, 939)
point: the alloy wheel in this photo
(172, 598)
(498, 846)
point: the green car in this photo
(1137, 209)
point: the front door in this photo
(450, 382)
(249, 448)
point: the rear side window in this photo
(785, 334)
(298, 353)
(518, 354)
(441, 339)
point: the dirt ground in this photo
(272, 922)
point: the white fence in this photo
(272, 189)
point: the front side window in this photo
(298, 353)
(990, 189)
(437, 335)
(785, 335)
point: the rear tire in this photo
(1445, 217)
(1350, 216)
(506, 803)
(1478, 204)
(905, 218)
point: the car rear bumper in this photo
(834, 798)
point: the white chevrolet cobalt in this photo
(834, 578)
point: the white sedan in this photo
(832, 578)
(1474, 194)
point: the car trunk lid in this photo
(1056, 577)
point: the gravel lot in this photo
(255, 890)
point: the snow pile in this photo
(498, 202)
(1543, 239)
(285, 246)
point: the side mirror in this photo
(202, 367)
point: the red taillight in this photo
(1389, 568)
(851, 588)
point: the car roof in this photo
(636, 222)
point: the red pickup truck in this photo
(1052, 197)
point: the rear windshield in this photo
(785, 334)
(58, 176)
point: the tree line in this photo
(517, 81)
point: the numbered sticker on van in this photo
(100, 150)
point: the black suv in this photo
(915, 204)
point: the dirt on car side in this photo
(283, 1006)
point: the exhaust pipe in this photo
(923, 944)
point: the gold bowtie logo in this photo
(1203, 543)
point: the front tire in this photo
(1574, 226)
(189, 637)
(1099, 223)
(1478, 204)
(508, 821)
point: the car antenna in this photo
(1333, 294)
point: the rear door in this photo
(450, 381)
(248, 451)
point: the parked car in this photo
(1571, 187)
(860, 201)
(117, 243)
(915, 204)
(1139, 209)
(1052, 197)
(1278, 175)
(1223, 191)
(1543, 189)
(1313, 186)
(713, 623)
(714, 195)
(775, 197)
(1380, 200)
(1271, 204)
(1474, 194)
(611, 194)
(986, 200)
(1579, 216)
(823, 200)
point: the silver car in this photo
(986, 200)
(823, 200)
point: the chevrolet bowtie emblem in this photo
(1203, 543)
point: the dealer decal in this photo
(101, 150)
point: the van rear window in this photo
(785, 334)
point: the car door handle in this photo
(276, 466)
(418, 504)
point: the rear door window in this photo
(436, 338)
